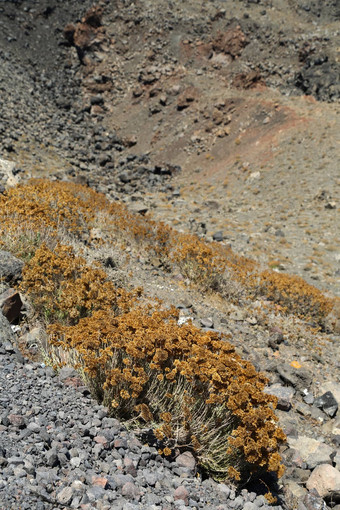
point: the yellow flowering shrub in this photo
(50, 204)
(64, 288)
(189, 385)
(41, 205)
(295, 295)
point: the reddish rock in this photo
(182, 493)
(86, 33)
(129, 467)
(17, 420)
(248, 80)
(187, 460)
(102, 440)
(10, 304)
(188, 96)
(97, 110)
(100, 481)
(76, 382)
(120, 443)
(231, 42)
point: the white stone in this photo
(7, 167)
(311, 451)
(325, 479)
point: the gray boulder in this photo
(10, 266)
(6, 333)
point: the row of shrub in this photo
(188, 385)
(64, 206)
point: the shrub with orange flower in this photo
(209, 398)
(189, 385)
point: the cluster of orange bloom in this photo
(42, 204)
(189, 385)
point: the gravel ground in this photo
(60, 449)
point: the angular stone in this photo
(10, 266)
(95, 493)
(8, 168)
(64, 497)
(182, 493)
(224, 489)
(130, 467)
(130, 490)
(187, 460)
(207, 323)
(10, 304)
(218, 236)
(336, 460)
(308, 397)
(327, 403)
(188, 96)
(333, 387)
(34, 337)
(52, 458)
(120, 443)
(19, 472)
(15, 460)
(101, 440)
(120, 480)
(326, 480)
(28, 467)
(6, 333)
(317, 414)
(150, 477)
(303, 409)
(34, 427)
(100, 481)
(17, 420)
(75, 461)
(230, 42)
(300, 378)
(294, 493)
(78, 486)
(310, 452)
(284, 395)
(312, 501)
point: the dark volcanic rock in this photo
(320, 78)
(10, 304)
(327, 403)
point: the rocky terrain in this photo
(218, 118)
